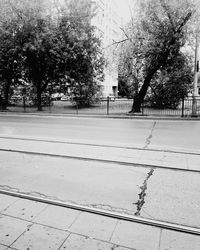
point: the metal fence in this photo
(103, 107)
(184, 109)
(112, 107)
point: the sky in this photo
(125, 6)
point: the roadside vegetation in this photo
(50, 47)
(154, 63)
(42, 49)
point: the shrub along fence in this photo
(110, 106)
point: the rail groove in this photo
(124, 217)
(81, 158)
(102, 145)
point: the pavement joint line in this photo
(131, 164)
(102, 145)
(35, 223)
(160, 238)
(101, 212)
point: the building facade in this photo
(108, 22)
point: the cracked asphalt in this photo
(163, 194)
(149, 138)
(143, 193)
(177, 135)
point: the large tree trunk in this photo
(139, 98)
(4, 100)
(39, 96)
(6, 94)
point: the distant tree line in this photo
(41, 48)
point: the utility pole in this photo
(196, 71)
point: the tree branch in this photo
(125, 33)
(166, 9)
(185, 20)
(117, 43)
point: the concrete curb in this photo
(123, 116)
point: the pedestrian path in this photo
(26, 224)
(107, 153)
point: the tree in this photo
(25, 38)
(57, 46)
(63, 50)
(130, 71)
(156, 38)
(39, 52)
(84, 61)
(171, 84)
(10, 57)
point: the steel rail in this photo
(101, 212)
(102, 145)
(81, 158)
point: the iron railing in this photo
(184, 109)
(117, 106)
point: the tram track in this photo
(107, 161)
(85, 208)
(102, 145)
(101, 212)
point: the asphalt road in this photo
(177, 135)
(161, 194)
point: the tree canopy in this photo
(155, 39)
(50, 48)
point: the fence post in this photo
(142, 106)
(182, 113)
(49, 104)
(108, 100)
(24, 103)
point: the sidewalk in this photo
(29, 225)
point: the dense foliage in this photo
(44, 50)
(170, 85)
(154, 40)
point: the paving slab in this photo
(78, 242)
(11, 248)
(173, 197)
(25, 209)
(99, 227)
(41, 237)
(58, 217)
(11, 229)
(171, 240)
(136, 236)
(3, 247)
(193, 161)
(6, 201)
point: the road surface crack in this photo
(142, 194)
(31, 193)
(110, 208)
(106, 207)
(149, 138)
